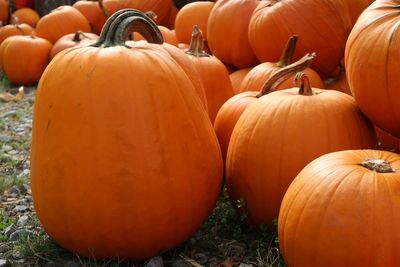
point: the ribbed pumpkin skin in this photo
(280, 133)
(324, 34)
(15, 53)
(195, 13)
(61, 21)
(123, 163)
(227, 28)
(237, 77)
(372, 67)
(337, 213)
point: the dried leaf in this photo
(7, 97)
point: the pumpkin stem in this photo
(197, 43)
(304, 84)
(288, 51)
(77, 37)
(283, 74)
(378, 165)
(122, 23)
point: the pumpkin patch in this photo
(199, 133)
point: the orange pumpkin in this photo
(14, 29)
(61, 21)
(72, 40)
(94, 12)
(372, 67)
(273, 22)
(195, 13)
(212, 71)
(227, 29)
(279, 134)
(341, 211)
(135, 143)
(255, 79)
(14, 54)
(25, 15)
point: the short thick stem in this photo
(304, 84)
(196, 47)
(378, 165)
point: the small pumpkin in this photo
(341, 211)
(14, 54)
(25, 15)
(72, 40)
(14, 29)
(61, 21)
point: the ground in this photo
(224, 240)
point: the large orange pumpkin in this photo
(319, 24)
(341, 210)
(24, 58)
(372, 67)
(124, 163)
(61, 21)
(279, 134)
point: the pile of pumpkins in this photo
(290, 104)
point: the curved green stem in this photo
(121, 24)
